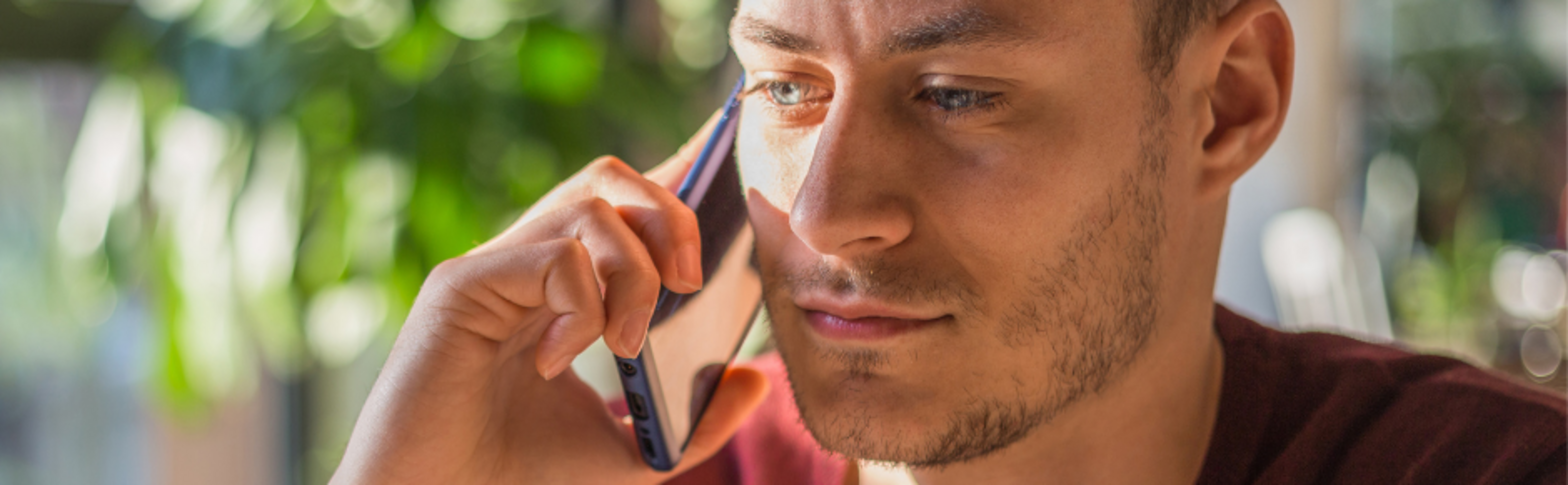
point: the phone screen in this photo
(692, 341)
(693, 337)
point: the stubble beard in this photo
(1095, 336)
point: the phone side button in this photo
(637, 405)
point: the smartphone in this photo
(693, 337)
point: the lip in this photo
(861, 319)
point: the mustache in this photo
(876, 278)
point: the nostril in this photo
(848, 229)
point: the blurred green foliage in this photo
(413, 143)
(1456, 90)
(298, 166)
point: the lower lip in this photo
(871, 328)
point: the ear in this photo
(1245, 67)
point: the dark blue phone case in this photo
(651, 437)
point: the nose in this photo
(855, 198)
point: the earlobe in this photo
(1247, 69)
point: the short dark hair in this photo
(1167, 25)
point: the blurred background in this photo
(214, 214)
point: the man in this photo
(988, 232)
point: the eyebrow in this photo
(758, 31)
(966, 26)
(962, 27)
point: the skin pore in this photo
(1008, 175)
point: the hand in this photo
(478, 387)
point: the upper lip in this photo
(854, 307)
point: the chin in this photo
(926, 398)
(872, 405)
(863, 423)
(860, 414)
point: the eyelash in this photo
(786, 111)
(988, 100)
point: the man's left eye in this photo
(949, 99)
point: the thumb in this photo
(738, 395)
(670, 173)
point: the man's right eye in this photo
(787, 93)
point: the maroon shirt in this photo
(1294, 408)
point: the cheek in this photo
(773, 160)
(771, 226)
(1010, 209)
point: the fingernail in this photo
(691, 266)
(633, 330)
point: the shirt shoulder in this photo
(1315, 407)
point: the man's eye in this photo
(958, 99)
(786, 93)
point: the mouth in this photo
(863, 320)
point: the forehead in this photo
(891, 27)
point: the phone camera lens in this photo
(628, 369)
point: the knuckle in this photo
(447, 277)
(620, 264)
(587, 181)
(670, 206)
(607, 165)
(593, 207)
(669, 214)
(568, 250)
(599, 207)
(643, 271)
(447, 270)
(684, 218)
(676, 222)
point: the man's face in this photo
(958, 207)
